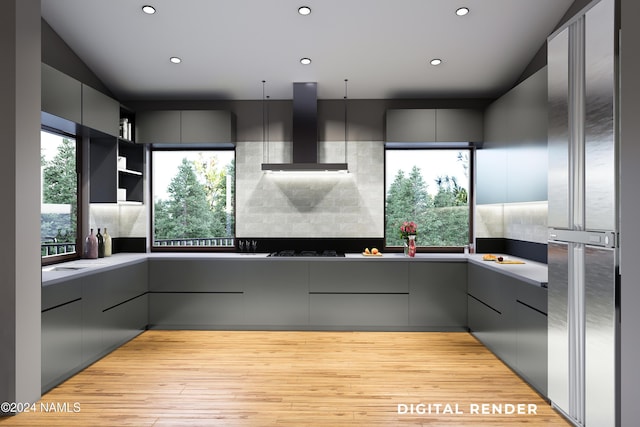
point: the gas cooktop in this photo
(293, 253)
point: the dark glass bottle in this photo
(100, 244)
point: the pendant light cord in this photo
(264, 146)
(345, 120)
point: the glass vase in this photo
(412, 246)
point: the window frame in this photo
(56, 259)
(179, 148)
(471, 148)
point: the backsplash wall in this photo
(525, 221)
(293, 205)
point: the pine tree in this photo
(187, 213)
(60, 186)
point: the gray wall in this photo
(56, 53)
(20, 192)
(629, 208)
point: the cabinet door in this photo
(459, 125)
(345, 311)
(124, 321)
(61, 343)
(206, 126)
(532, 346)
(100, 112)
(61, 94)
(438, 295)
(408, 125)
(371, 276)
(155, 127)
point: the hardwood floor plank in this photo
(237, 379)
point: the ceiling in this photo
(383, 47)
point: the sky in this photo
(432, 163)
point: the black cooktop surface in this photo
(293, 253)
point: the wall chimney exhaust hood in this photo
(305, 135)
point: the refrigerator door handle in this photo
(605, 239)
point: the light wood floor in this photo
(209, 378)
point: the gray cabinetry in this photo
(185, 127)
(276, 293)
(85, 318)
(158, 127)
(434, 125)
(510, 317)
(61, 94)
(206, 126)
(362, 293)
(416, 125)
(515, 146)
(61, 332)
(438, 295)
(100, 112)
(459, 125)
(197, 293)
(211, 294)
(67, 98)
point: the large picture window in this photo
(430, 187)
(59, 197)
(193, 198)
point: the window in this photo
(430, 187)
(59, 197)
(193, 198)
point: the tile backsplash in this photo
(310, 204)
(517, 221)
(121, 220)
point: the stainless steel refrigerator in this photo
(583, 219)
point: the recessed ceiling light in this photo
(305, 61)
(304, 10)
(175, 60)
(148, 9)
(462, 11)
(436, 61)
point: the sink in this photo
(63, 268)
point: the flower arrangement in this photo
(408, 228)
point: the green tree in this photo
(187, 213)
(442, 219)
(60, 186)
(451, 205)
(215, 183)
(407, 200)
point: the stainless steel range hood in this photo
(305, 135)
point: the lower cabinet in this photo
(438, 295)
(349, 311)
(83, 319)
(509, 316)
(364, 294)
(61, 343)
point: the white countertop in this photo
(531, 272)
(55, 273)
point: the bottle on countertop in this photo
(91, 246)
(100, 244)
(107, 242)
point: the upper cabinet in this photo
(69, 99)
(61, 95)
(185, 127)
(100, 112)
(434, 125)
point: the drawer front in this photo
(349, 310)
